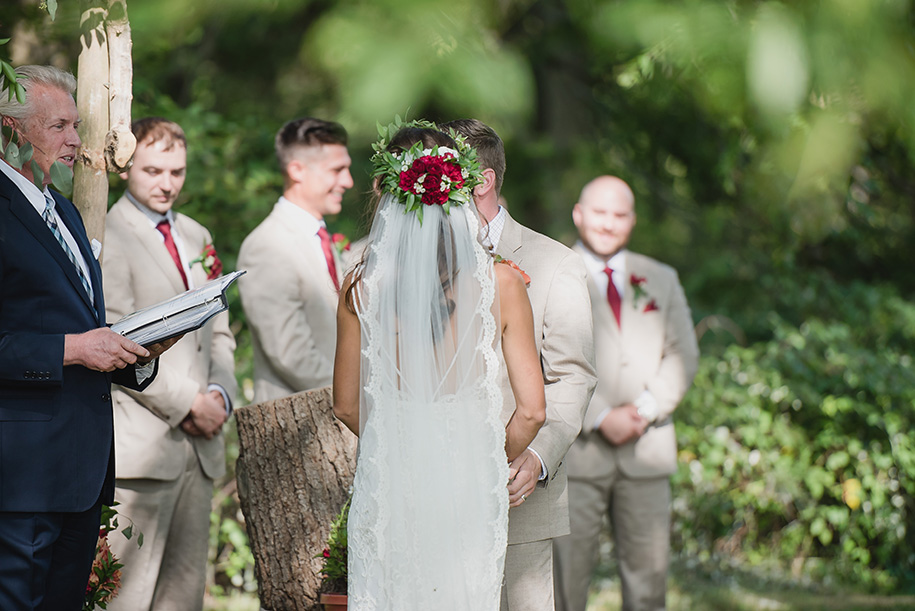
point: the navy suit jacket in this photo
(56, 429)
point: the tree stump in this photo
(295, 467)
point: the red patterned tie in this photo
(327, 247)
(166, 230)
(613, 296)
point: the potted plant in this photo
(333, 584)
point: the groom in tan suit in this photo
(168, 440)
(562, 328)
(646, 358)
(294, 271)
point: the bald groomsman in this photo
(646, 357)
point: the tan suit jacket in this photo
(562, 330)
(138, 271)
(291, 305)
(654, 351)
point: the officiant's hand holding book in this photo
(154, 326)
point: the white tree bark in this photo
(90, 181)
(120, 142)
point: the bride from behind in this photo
(421, 322)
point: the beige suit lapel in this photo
(638, 325)
(193, 247)
(511, 241)
(310, 257)
(150, 240)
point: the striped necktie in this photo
(50, 219)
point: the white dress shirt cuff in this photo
(143, 372)
(600, 418)
(225, 396)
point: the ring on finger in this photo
(523, 497)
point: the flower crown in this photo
(438, 176)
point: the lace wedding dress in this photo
(429, 516)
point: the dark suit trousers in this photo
(45, 559)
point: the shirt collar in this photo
(32, 193)
(308, 224)
(597, 264)
(491, 233)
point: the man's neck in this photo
(488, 207)
(293, 197)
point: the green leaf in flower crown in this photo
(62, 177)
(37, 174)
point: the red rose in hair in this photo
(432, 179)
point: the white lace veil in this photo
(430, 405)
(426, 296)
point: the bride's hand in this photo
(523, 473)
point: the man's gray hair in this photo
(29, 76)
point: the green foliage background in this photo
(769, 145)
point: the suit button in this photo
(106, 397)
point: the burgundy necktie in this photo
(613, 296)
(166, 230)
(327, 247)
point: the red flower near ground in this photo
(432, 179)
(651, 306)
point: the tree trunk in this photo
(90, 181)
(120, 142)
(295, 467)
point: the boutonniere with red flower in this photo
(514, 266)
(210, 262)
(638, 291)
(340, 242)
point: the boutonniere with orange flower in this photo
(340, 242)
(210, 262)
(514, 266)
(638, 291)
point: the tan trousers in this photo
(639, 511)
(168, 573)
(528, 584)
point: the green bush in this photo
(799, 448)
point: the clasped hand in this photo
(623, 424)
(523, 474)
(207, 415)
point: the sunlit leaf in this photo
(52, 9)
(37, 174)
(62, 177)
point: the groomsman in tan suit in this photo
(562, 326)
(168, 440)
(647, 356)
(294, 271)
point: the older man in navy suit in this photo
(57, 362)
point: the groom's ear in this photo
(488, 184)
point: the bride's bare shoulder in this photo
(511, 283)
